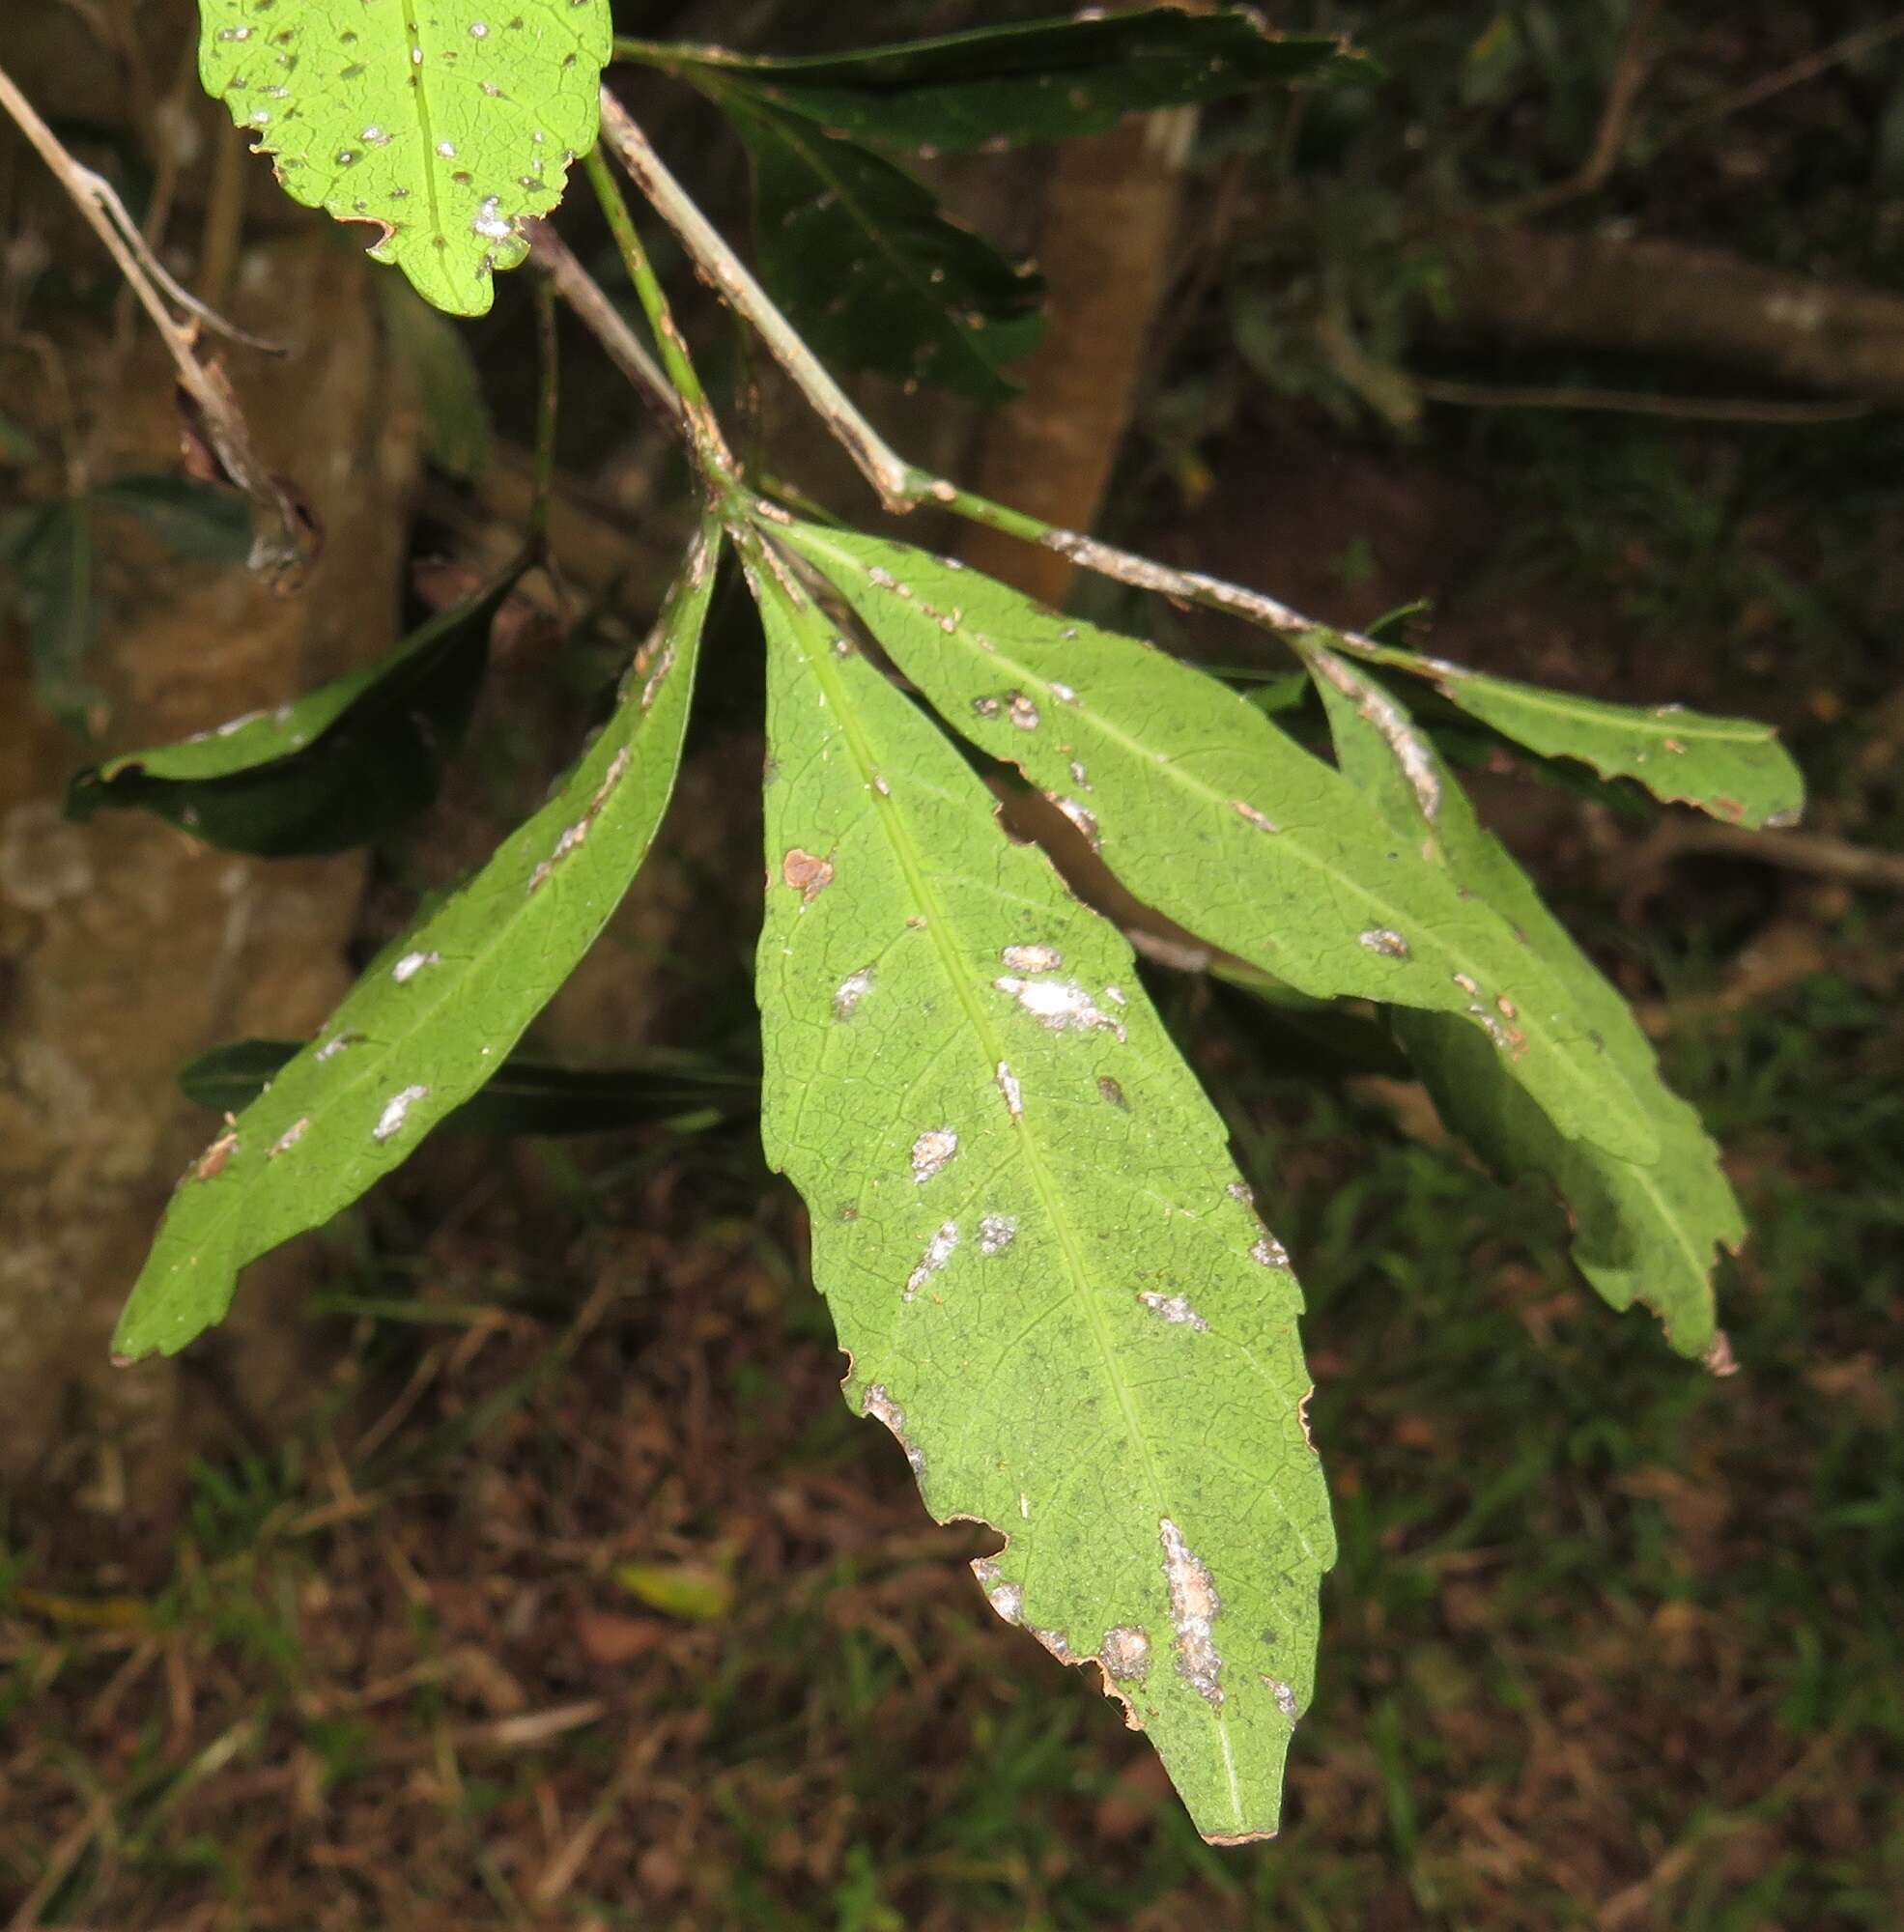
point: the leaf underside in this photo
(435, 1015)
(868, 267)
(1042, 80)
(446, 122)
(1211, 814)
(1646, 1234)
(1038, 1254)
(327, 771)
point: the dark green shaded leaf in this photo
(1042, 80)
(201, 523)
(49, 551)
(327, 771)
(17, 444)
(1647, 1233)
(456, 422)
(870, 271)
(525, 1096)
(437, 1012)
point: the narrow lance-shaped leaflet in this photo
(1646, 1234)
(1208, 812)
(1048, 1273)
(435, 1015)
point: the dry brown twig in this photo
(204, 385)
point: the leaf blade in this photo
(1039, 80)
(1648, 1234)
(422, 1031)
(445, 122)
(1027, 1221)
(327, 771)
(870, 270)
(1733, 767)
(1210, 813)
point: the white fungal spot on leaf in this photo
(1085, 820)
(1124, 1652)
(1174, 1308)
(931, 1150)
(336, 1044)
(1023, 713)
(413, 963)
(1062, 1005)
(289, 1139)
(1032, 958)
(997, 1232)
(396, 1110)
(939, 1251)
(1194, 1607)
(1285, 1697)
(1269, 1253)
(850, 991)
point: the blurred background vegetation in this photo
(519, 1565)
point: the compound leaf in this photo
(870, 270)
(1038, 1258)
(445, 123)
(436, 1014)
(1733, 767)
(1647, 1233)
(1042, 80)
(330, 770)
(1211, 814)
(525, 1095)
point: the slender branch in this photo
(1851, 47)
(1635, 402)
(889, 476)
(105, 214)
(710, 446)
(606, 323)
(548, 389)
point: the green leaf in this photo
(48, 549)
(17, 447)
(1733, 767)
(1043, 81)
(1646, 1234)
(455, 420)
(1208, 812)
(1048, 1278)
(870, 272)
(445, 123)
(330, 770)
(437, 1012)
(525, 1096)
(201, 522)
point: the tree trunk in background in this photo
(125, 947)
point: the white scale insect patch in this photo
(1194, 1607)
(289, 1139)
(1175, 1308)
(396, 1111)
(1032, 958)
(1285, 1697)
(931, 1150)
(1269, 1253)
(413, 963)
(336, 1044)
(1085, 820)
(1124, 1652)
(1390, 945)
(850, 991)
(1023, 713)
(1249, 814)
(1006, 1599)
(997, 1232)
(1009, 1086)
(939, 1250)
(881, 1406)
(1062, 1005)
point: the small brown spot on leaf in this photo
(807, 873)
